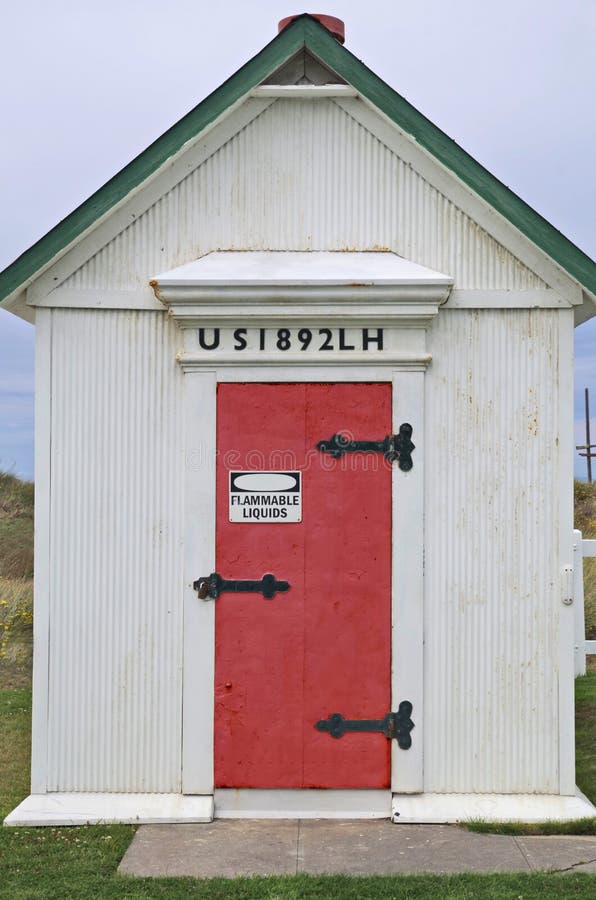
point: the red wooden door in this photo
(283, 664)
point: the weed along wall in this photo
(304, 472)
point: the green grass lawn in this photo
(77, 863)
(585, 734)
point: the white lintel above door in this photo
(295, 285)
(269, 307)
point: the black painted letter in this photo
(369, 339)
(342, 341)
(203, 342)
(240, 338)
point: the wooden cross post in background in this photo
(588, 447)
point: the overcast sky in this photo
(85, 86)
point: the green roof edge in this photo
(305, 31)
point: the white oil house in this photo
(304, 498)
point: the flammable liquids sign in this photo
(266, 497)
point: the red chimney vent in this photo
(335, 26)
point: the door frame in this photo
(407, 579)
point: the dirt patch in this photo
(15, 676)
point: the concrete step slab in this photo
(376, 848)
(227, 849)
(236, 847)
(559, 852)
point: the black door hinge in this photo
(393, 447)
(211, 586)
(396, 725)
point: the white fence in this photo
(583, 648)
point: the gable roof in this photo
(303, 33)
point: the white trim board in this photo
(198, 675)
(564, 513)
(144, 298)
(76, 298)
(253, 803)
(314, 374)
(192, 362)
(303, 91)
(443, 808)
(42, 579)
(503, 299)
(407, 582)
(97, 809)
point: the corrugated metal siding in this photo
(116, 519)
(304, 175)
(491, 552)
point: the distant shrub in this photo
(585, 508)
(585, 520)
(16, 620)
(16, 527)
(16, 586)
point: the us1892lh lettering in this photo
(282, 340)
